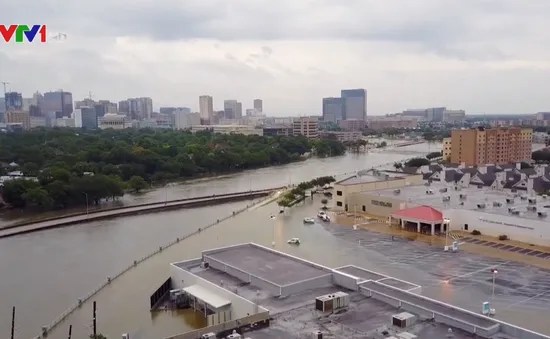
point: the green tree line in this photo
(299, 192)
(73, 166)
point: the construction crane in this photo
(5, 83)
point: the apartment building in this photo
(447, 149)
(18, 117)
(306, 126)
(480, 146)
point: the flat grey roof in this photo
(429, 305)
(267, 265)
(360, 273)
(205, 295)
(402, 285)
(474, 196)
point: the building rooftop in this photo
(478, 198)
(373, 298)
(368, 176)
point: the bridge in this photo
(62, 221)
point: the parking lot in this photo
(509, 248)
(461, 278)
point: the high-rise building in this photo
(184, 119)
(354, 104)
(480, 146)
(14, 101)
(85, 117)
(258, 105)
(230, 108)
(206, 109)
(333, 109)
(137, 108)
(239, 110)
(59, 102)
(18, 117)
(306, 126)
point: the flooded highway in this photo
(43, 273)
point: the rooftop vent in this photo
(396, 191)
(532, 208)
(403, 320)
(497, 204)
(481, 206)
(509, 200)
(541, 214)
(443, 190)
(447, 198)
(532, 200)
(463, 196)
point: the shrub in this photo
(503, 237)
(476, 232)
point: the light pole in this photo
(494, 271)
(446, 223)
(165, 194)
(273, 225)
(87, 205)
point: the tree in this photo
(417, 162)
(434, 155)
(137, 183)
(14, 190)
(37, 198)
(398, 165)
(324, 202)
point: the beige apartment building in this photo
(18, 117)
(447, 149)
(306, 126)
(480, 146)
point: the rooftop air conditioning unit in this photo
(397, 191)
(462, 196)
(541, 214)
(210, 335)
(331, 302)
(509, 200)
(443, 190)
(447, 198)
(234, 335)
(515, 212)
(317, 335)
(523, 197)
(461, 203)
(532, 208)
(429, 192)
(427, 184)
(497, 204)
(481, 206)
(403, 320)
(532, 200)
(511, 209)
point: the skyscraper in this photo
(206, 109)
(230, 108)
(59, 102)
(333, 109)
(354, 104)
(239, 111)
(258, 105)
(85, 117)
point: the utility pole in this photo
(12, 321)
(70, 331)
(94, 321)
(5, 83)
(90, 95)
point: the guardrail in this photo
(121, 208)
(80, 301)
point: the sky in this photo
(484, 56)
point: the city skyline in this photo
(430, 54)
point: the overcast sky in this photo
(484, 56)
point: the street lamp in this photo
(273, 242)
(87, 205)
(494, 271)
(446, 223)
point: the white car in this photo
(321, 214)
(294, 241)
(309, 221)
(325, 218)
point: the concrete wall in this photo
(348, 190)
(240, 307)
(520, 333)
(308, 284)
(218, 318)
(269, 286)
(345, 280)
(525, 230)
(372, 203)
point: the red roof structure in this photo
(422, 213)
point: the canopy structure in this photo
(431, 218)
(202, 294)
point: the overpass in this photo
(131, 210)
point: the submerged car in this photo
(294, 241)
(325, 218)
(309, 221)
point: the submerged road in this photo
(45, 272)
(132, 210)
